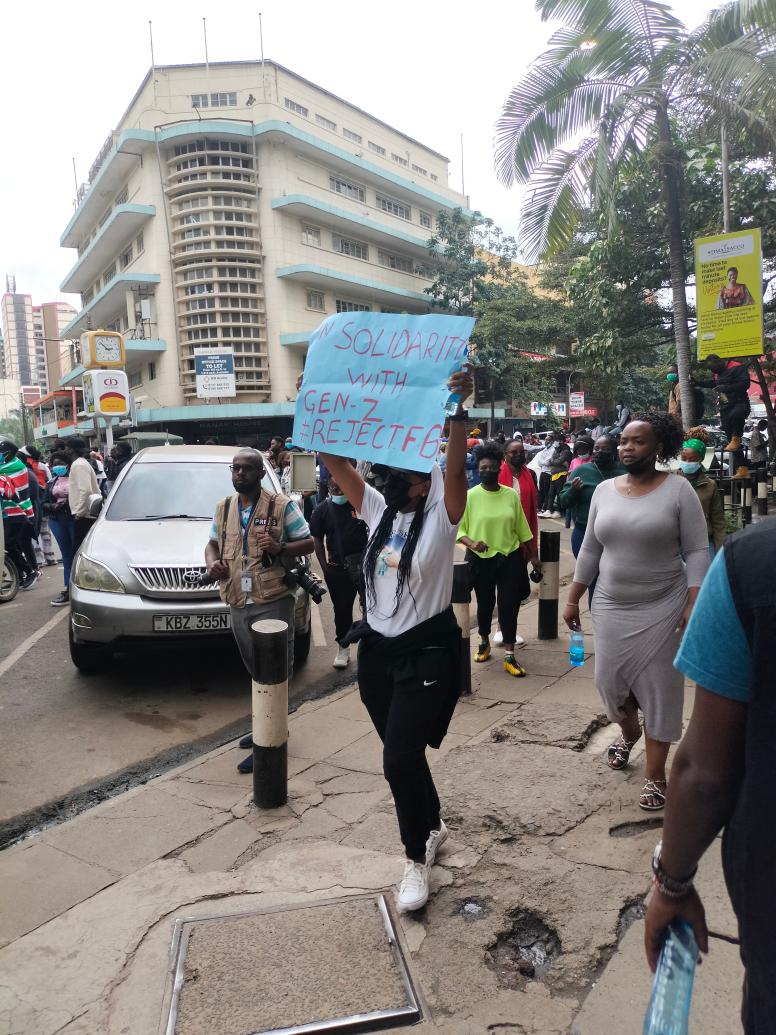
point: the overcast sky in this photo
(430, 68)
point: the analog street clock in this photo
(103, 349)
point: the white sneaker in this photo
(556, 514)
(413, 890)
(435, 841)
(543, 513)
(342, 660)
(498, 638)
(519, 641)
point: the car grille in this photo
(172, 578)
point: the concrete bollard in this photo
(270, 713)
(762, 490)
(746, 499)
(727, 493)
(461, 600)
(549, 555)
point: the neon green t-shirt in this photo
(495, 518)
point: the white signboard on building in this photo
(576, 404)
(540, 409)
(214, 369)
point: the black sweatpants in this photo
(342, 593)
(544, 490)
(505, 576)
(732, 418)
(82, 528)
(18, 544)
(404, 713)
(554, 493)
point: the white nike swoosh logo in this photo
(427, 683)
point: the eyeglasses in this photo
(234, 468)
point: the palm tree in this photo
(611, 87)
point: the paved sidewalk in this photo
(546, 844)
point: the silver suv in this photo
(136, 577)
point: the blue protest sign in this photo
(375, 386)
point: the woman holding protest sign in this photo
(409, 649)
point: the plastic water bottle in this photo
(669, 1005)
(451, 406)
(577, 649)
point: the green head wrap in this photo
(696, 444)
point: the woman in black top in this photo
(340, 540)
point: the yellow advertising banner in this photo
(728, 294)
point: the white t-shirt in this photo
(431, 575)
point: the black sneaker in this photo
(246, 742)
(62, 599)
(30, 580)
(246, 766)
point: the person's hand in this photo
(461, 383)
(268, 544)
(571, 617)
(681, 625)
(536, 564)
(576, 483)
(218, 570)
(662, 910)
(479, 547)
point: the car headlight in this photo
(90, 574)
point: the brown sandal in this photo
(652, 798)
(618, 755)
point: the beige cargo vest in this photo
(268, 583)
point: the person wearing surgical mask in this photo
(583, 452)
(61, 522)
(340, 540)
(691, 466)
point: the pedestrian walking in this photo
(723, 776)
(691, 465)
(18, 513)
(409, 645)
(42, 543)
(340, 540)
(731, 380)
(252, 533)
(646, 541)
(558, 469)
(541, 461)
(493, 530)
(582, 453)
(82, 485)
(61, 521)
(758, 443)
(516, 474)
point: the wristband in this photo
(670, 886)
(463, 415)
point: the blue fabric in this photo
(63, 530)
(714, 651)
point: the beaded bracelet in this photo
(670, 886)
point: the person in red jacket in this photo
(516, 475)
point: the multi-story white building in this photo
(238, 204)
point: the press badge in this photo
(246, 583)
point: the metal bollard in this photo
(746, 500)
(762, 490)
(460, 600)
(270, 713)
(727, 493)
(549, 555)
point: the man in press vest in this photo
(252, 532)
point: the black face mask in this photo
(639, 466)
(489, 477)
(518, 461)
(603, 460)
(396, 491)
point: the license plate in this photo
(192, 623)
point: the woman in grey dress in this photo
(646, 540)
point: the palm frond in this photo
(650, 19)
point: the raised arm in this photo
(456, 486)
(347, 477)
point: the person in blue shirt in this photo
(724, 772)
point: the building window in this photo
(425, 220)
(139, 243)
(152, 371)
(223, 100)
(344, 306)
(347, 188)
(134, 378)
(199, 100)
(299, 109)
(376, 148)
(125, 258)
(348, 134)
(347, 246)
(198, 231)
(418, 169)
(326, 123)
(315, 300)
(399, 159)
(396, 208)
(394, 262)
(109, 274)
(311, 235)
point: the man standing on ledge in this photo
(251, 534)
(731, 380)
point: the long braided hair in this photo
(378, 540)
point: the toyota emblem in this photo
(192, 576)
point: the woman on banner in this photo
(409, 649)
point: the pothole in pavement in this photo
(523, 952)
(636, 826)
(472, 908)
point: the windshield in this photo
(172, 490)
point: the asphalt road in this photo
(70, 739)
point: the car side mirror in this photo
(95, 504)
